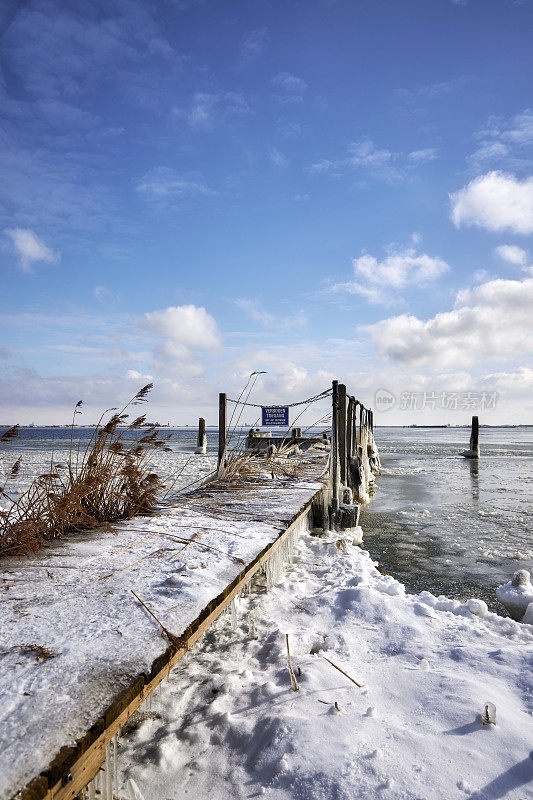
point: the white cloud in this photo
(185, 326)
(481, 275)
(504, 143)
(433, 90)
(423, 156)
(510, 384)
(209, 108)
(375, 279)
(512, 254)
(163, 183)
(491, 321)
(255, 311)
(30, 248)
(278, 158)
(289, 83)
(254, 43)
(495, 201)
(382, 163)
(135, 375)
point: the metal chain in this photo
(313, 399)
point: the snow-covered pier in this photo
(80, 654)
(93, 624)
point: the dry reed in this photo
(107, 481)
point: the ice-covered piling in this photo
(201, 442)
(473, 451)
(516, 595)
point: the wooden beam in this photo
(349, 431)
(222, 428)
(342, 431)
(334, 448)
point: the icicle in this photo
(233, 612)
(115, 763)
(251, 625)
(108, 773)
(92, 790)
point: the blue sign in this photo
(275, 416)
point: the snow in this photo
(75, 599)
(516, 594)
(230, 724)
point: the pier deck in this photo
(80, 653)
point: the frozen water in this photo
(453, 526)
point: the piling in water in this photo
(201, 442)
(473, 451)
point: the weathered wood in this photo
(74, 767)
(335, 449)
(474, 436)
(348, 516)
(342, 431)
(201, 441)
(354, 465)
(222, 428)
(349, 434)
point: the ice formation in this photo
(516, 594)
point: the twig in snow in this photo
(343, 672)
(177, 641)
(291, 671)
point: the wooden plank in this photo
(341, 411)
(74, 767)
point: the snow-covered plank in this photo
(73, 604)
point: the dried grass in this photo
(108, 481)
(38, 650)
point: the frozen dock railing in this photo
(260, 517)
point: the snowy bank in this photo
(227, 723)
(73, 636)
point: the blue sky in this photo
(190, 191)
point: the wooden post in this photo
(349, 432)
(474, 437)
(201, 442)
(334, 449)
(342, 431)
(221, 428)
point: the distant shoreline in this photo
(245, 427)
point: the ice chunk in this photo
(516, 594)
(134, 792)
(528, 616)
(477, 607)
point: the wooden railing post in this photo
(221, 428)
(349, 432)
(342, 431)
(334, 449)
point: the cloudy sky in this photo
(194, 189)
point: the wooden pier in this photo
(246, 524)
